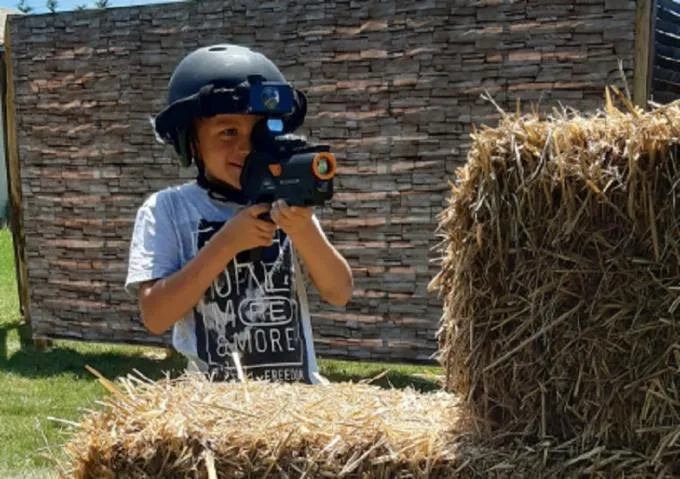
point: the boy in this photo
(190, 255)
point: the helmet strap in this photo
(184, 149)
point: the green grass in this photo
(36, 385)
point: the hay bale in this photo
(188, 427)
(561, 279)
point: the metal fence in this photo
(665, 61)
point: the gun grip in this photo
(256, 254)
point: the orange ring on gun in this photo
(324, 165)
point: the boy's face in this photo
(224, 143)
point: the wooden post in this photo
(644, 48)
(14, 180)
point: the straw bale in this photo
(189, 427)
(560, 278)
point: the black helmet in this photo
(226, 78)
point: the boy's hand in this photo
(293, 220)
(246, 231)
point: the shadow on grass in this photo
(392, 380)
(383, 375)
(33, 362)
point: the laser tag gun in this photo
(284, 166)
(290, 169)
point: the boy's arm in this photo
(328, 269)
(164, 301)
(167, 290)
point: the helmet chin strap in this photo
(218, 190)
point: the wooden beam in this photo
(14, 177)
(644, 42)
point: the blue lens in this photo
(275, 125)
(270, 98)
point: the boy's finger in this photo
(275, 215)
(286, 211)
(282, 218)
(265, 226)
(275, 210)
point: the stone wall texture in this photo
(395, 87)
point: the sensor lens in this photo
(270, 98)
(323, 166)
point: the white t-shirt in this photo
(257, 308)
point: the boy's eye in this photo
(230, 132)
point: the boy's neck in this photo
(220, 190)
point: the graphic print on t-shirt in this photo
(252, 308)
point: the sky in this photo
(65, 5)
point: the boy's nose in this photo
(243, 148)
(239, 155)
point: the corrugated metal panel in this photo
(666, 52)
